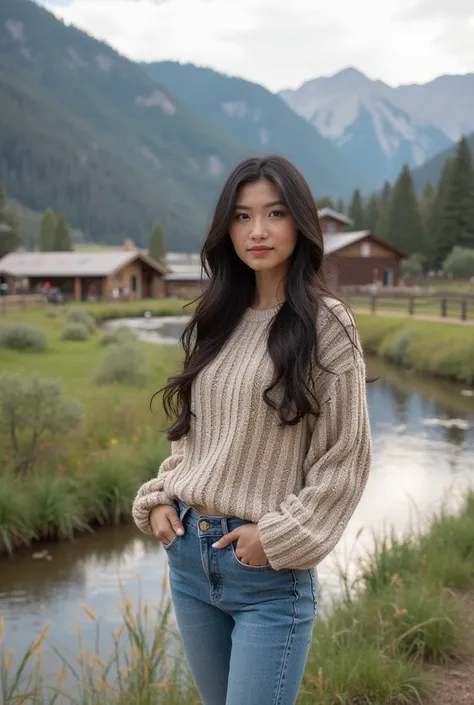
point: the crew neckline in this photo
(263, 314)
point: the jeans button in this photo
(204, 525)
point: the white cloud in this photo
(280, 43)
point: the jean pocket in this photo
(252, 568)
(168, 546)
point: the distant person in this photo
(271, 443)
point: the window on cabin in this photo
(365, 249)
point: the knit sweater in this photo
(300, 483)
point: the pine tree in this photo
(157, 244)
(340, 206)
(372, 213)
(383, 222)
(356, 211)
(405, 231)
(47, 233)
(62, 237)
(427, 203)
(457, 214)
(435, 246)
(10, 236)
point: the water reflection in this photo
(418, 456)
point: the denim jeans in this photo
(246, 630)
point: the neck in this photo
(269, 289)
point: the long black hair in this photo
(292, 338)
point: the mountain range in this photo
(118, 145)
(89, 132)
(384, 127)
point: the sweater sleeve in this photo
(309, 525)
(151, 494)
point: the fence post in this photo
(463, 309)
(444, 307)
(411, 305)
(373, 303)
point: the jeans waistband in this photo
(207, 524)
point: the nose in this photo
(258, 228)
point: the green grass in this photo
(400, 615)
(424, 305)
(91, 475)
(438, 349)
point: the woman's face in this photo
(261, 220)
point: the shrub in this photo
(111, 488)
(124, 363)
(78, 315)
(56, 509)
(19, 336)
(30, 409)
(15, 527)
(118, 335)
(75, 331)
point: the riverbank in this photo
(89, 475)
(444, 350)
(404, 613)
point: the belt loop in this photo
(225, 526)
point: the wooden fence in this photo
(454, 306)
(19, 302)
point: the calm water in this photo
(423, 433)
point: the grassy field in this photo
(423, 305)
(90, 475)
(401, 614)
(438, 349)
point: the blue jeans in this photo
(246, 630)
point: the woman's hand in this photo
(249, 548)
(165, 522)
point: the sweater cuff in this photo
(143, 506)
(270, 530)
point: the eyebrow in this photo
(267, 205)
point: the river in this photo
(423, 436)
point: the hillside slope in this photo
(259, 118)
(176, 157)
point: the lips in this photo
(260, 249)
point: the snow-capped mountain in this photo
(365, 121)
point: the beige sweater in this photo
(300, 483)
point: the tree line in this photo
(435, 228)
(55, 234)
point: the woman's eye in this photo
(241, 216)
(277, 214)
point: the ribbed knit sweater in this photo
(300, 483)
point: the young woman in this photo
(270, 442)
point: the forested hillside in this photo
(432, 170)
(261, 119)
(89, 133)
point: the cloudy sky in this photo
(281, 43)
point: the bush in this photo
(56, 507)
(30, 409)
(124, 363)
(15, 527)
(75, 331)
(19, 336)
(460, 262)
(78, 315)
(118, 335)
